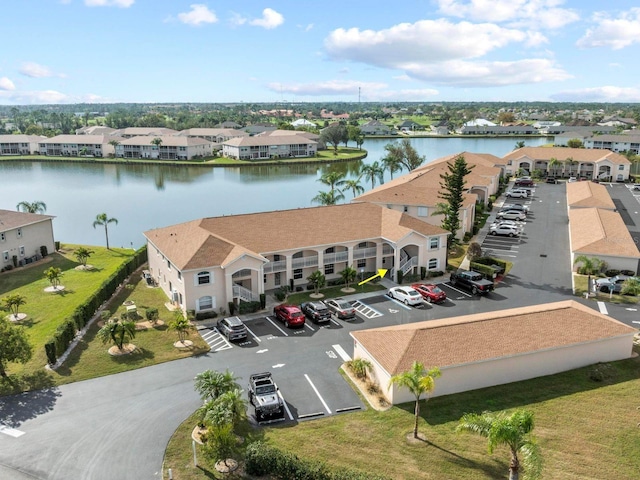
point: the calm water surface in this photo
(146, 197)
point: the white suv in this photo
(517, 193)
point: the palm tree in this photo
(210, 384)
(82, 254)
(13, 304)
(103, 220)
(35, 207)
(157, 142)
(553, 165)
(359, 367)
(372, 172)
(590, 266)
(318, 280)
(331, 179)
(353, 185)
(328, 198)
(514, 431)
(392, 164)
(233, 403)
(419, 381)
(182, 325)
(53, 274)
(118, 331)
(519, 145)
(114, 144)
(348, 275)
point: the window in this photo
(205, 303)
(362, 245)
(328, 268)
(276, 258)
(168, 265)
(405, 209)
(433, 263)
(361, 263)
(434, 242)
(276, 279)
(297, 274)
(423, 212)
(330, 250)
(620, 167)
(21, 249)
(19, 233)
(3, 237)
(5, 256)
(179, 275)
(203, 278)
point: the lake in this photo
(143, 197)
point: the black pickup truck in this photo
(472, 281)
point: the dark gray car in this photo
(232, 328)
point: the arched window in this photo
(203, 278)
(205, 303)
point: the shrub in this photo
(50, 350)
(263, 300)
(373, 389)
(612, 272)
(486, 271)
(423, 273)
(474, 251)
(435, 273)
(152, 315)
(232, 308)
(44, 251)
(400, 276)
(469, 235)
(248, 307)
(204, 315)
(57, 244)
(630, 273)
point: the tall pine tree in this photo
(452, 189)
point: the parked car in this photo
(551, 180)
(515, 206)
(290, 315)
(472, 281)
(511, 215)
(232, 328)
(430, 292)
(572, 179)
(611, 284)
(406, 295)
(341, 308)
(508, 230)
(524, 182)
(511, 223)
(517, 193)
(317, 312)
(636, 187)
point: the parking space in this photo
(366, 310)
(216, 341)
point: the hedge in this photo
(66, 332)
(262, 459)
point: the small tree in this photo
(474, 251)
(117, 331)
(53, 274)
(221, 444)
(590, 266)
(37, 206)
(631, 286)
(210, 384)
(348, 276)
(103, 220)
(359, 367)
(14, 345)
(82, 254)
(13, 304)
(418, 381)
(452, 191)
(318, 280)
(157, 142)
(182, 325)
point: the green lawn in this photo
(586, 430)
(332, 292)
(580, 282)
(90, 358)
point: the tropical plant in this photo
(327, 198)
(519, 145)
(318, 280)
(418, 381)
(210, 384)
(590, 265)
(14, 345)
(82, 254)
(37, 206)
(631, 286)
(553, 165)
(348, 276)
(157, 142)
(351, 184)
(221, 444)
(13, 304)
(103, 220)
(452, 190)
(373, 172)
(53, 274)
(334, 135)
(114, 144)
(118, 331)
(182, 325)
(512, 430)
(359, 367)
(233, 403)
(332, 179)
(474, 251)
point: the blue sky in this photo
(102, 51)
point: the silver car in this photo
(511, 215)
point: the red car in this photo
(430, 292)
(290, 315)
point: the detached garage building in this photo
(494, 348)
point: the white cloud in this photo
(423, 41)
(488, 74)
(615, 33)
(6, 84)
(542, 14)
(44, 97)
(308, 28)
(237, 19)
(599, 94)
(198, 15)
(402, 78)
(35, 70)
(109, 3)
(370, 91)
(270, 19)
(401, 95)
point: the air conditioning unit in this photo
(174, 296)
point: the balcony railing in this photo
(337, 257)
(387, 249)
(272, 267)
(408, 265)
(305, 262)
(369, 252)
(245, 294)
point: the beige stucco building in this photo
(171, 147)
(20, 144)
(588, 195)
(494, 348)
(22, 235)
(204, 264)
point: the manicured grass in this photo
(580, 282)
(90, 358)
(586, 430)
(456, 255)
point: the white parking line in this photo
(366, 310)
(271, 322)
(12, 432)
(456, 289)
(340, 351)
(252, 334)
(603, 308)
(317, 393)
(407, 307)
(309, 327)
(216, 340)
(286, 407)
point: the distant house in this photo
(616, 143)
(563, 139)
(22, 236)
(616, 121)
(494, 348)
(264, 147)
(498, 130)
(409, 126)
(20, 144)
(217, 136)
(588, 130)
(172, 147)
(95, 130)
(572, 162)
(229, 124)
(78, 145)
(479, 122)
(302, 122)
(258, 128)
(375, 127)
(144, 131)
(204, 264)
